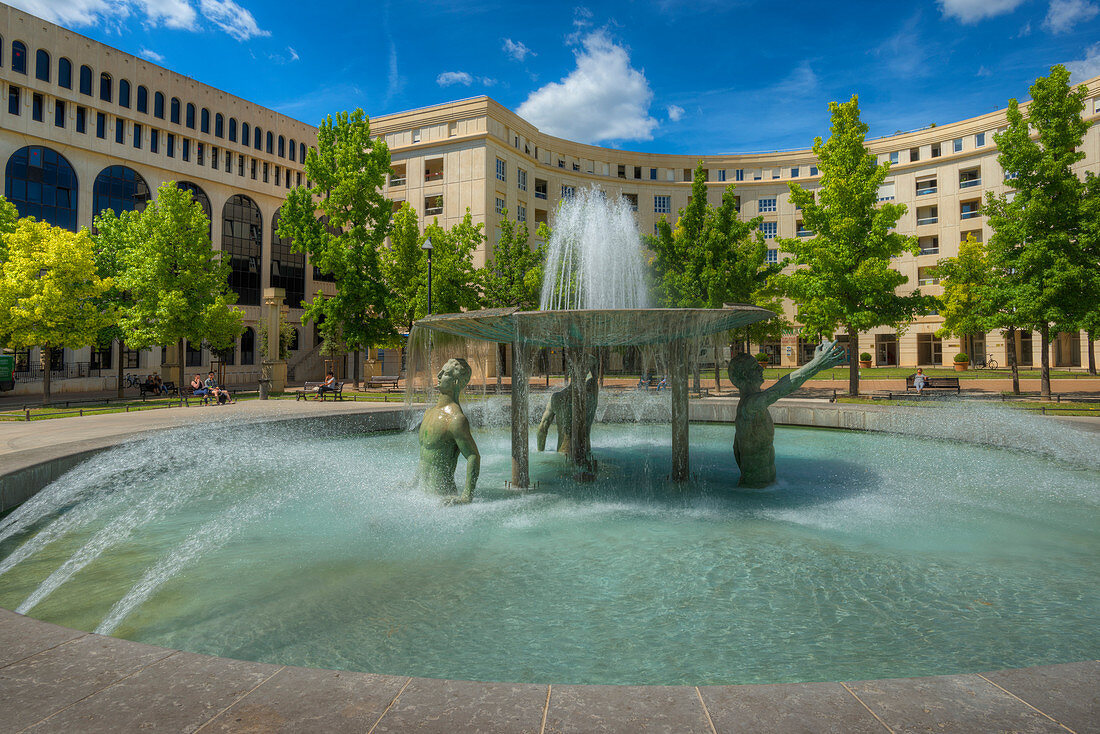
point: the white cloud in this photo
(74, 12)
(293, 54)
(802, 80)
(516, 49)
(1065, 14)
(171, 13)
(151, 55)
(675, 112)
(232, 18)
(448, 78)
(604, 98)
(1087, 67)
(971, 11)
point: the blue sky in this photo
(654, 75)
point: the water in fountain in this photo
(594, 257)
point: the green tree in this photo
(177, 285)
(9, 216)
(109, 264)
(1040, 235)
(455, 281)
(404, 267)
(843, 276)
(513, 276)
(342, 222)
(50, 291)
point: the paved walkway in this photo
(54, 679)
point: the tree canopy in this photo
(513, 276)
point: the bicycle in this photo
(131, 381)
(988, 364)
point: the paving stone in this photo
(38, 686)
(787, 708)
(591, 709)
(950, 703)
(21, 637)
(179, 693)
(428, 705)
(1069, 693)
(307, 700)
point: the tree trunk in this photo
(717, 365)
(1044, 373)
(119, 370)
(1092, 352)
(1013, 360)
(179, 363)
(46, 354)
(853, 362)
(355, 368)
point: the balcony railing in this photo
(805, 233)
(69, 371)
(540, 194)
(928, 281)
(970, 214)
(930, 251)
(433, 210)
(395, 181)
(967, 183)
(433, 175)
(928, 220)
(928, 190)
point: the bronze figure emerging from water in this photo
(444, 433)
(559, 411)
(754, 433)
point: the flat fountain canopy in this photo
(611, 327)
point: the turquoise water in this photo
(304, 544)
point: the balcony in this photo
(928, 281)
(805, 233)
(395, 181)
(433, 175)
(970, 210)
(930, 250)
(966, 183)
(931, 219)
(433, 205)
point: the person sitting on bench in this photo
(219, 394)
(329, 385)
(198, 389)
(919, 380)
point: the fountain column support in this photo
(580, 449)
(677, 362)
(520, 418)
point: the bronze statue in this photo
(559, 411)
(754, 433)
(444, 432)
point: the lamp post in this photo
(427, 247)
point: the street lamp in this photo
(427, 247)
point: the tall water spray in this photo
(595, 256)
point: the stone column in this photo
(272, 367)
(520, 418)
(677, 362)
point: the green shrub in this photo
(761, 357)
(864, 356)
(961, 357)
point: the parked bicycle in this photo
(987, 364)
(131, 380)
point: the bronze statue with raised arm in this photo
(754, 436)
(559, 411)
(444, 433)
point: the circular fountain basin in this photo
(875, 556)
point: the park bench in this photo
(387, 381)
(315, 387)
(144, 388)
(934, 383)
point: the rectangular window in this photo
(540, 188)
(687, 175)
(38, 113)
(298, 178)
(970, 178)
(253, 169)
(240, 164)
(265, 172)
(935, 150)
(813, 170)
(958, 145)
(887, 191)
(521, 213)
(721, 174)
(500, 205)
(521, 179)
(929, 245)
(769, 229)
(81, 119)
(928, 215)
(662, 204)
(137, 136)
(970, 209)
(501, 170)
(739, 174)
(773, 256)
(154, 140)
(653, 174)
(979, 140)
(794, 171)
(767, 205)
(757, 175)
(433, 205)
(59, 113)
(914, 155)
(278, 176)
(926, 186)
(568, 192)
(775, 173)
(800, 229)
(416, 136)
(170, 145)
(13, 99)
(120, 130)
(200, 158)
(186, 149)
(894, 158)
(100, 125)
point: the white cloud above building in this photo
(1085, 68)
(516, 50)
(1065, 15)
(972, 11)
(227, 15)
(449, 78)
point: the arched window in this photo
(293, 149)
(175, 110)
(120, 189)
(288, 268)
(142, 99)
(105, 84)
(232, 129)
(257, 138)
(301, 152)
(42, 184)
(86, 80)
(18, 57)
(204, 121)
(197, 194)
(190, 115)
(158, 105)
(242, 243)
(248, 346)
(244, 134)
(42, 65)
(219, 125)
(123, 93)
(270, 143)
(64, 73)
(282, 147)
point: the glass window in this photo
(185, 143)
(293, 152)
(265, 172)
(170, 145)
(767, 205)
(199, 159)
(248, 346)
(501, 170)
(42, 184)
(721, 174)
(190, 118)
(204, 121)
(100, 125)
(662, 204)
(773, 256)
(257, 137)
(242, 242)
(794, 171)
(154, 140)
(521, 213)
(123, 93)
(42, 65)
(137, 136)
(521, 179)
(813, 170)
(158, 105)
(270, 143)
(979, 140)
(244, 134)
(38, 113)
(301, 152)
(958, 145)
(653, 174)
(769, 229)
(18, 57)
(282, 147)
(86, 80)
(500, 205)
(120, 129)
(739, 174)
(59, 113)
(105, 87)
(219, 125)
(64, 73)
(13, 99)
(81, 119)
(120, 189)
(288, 268)
(894, 157)
(142, 99)
(175, 110)
(232, 129)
